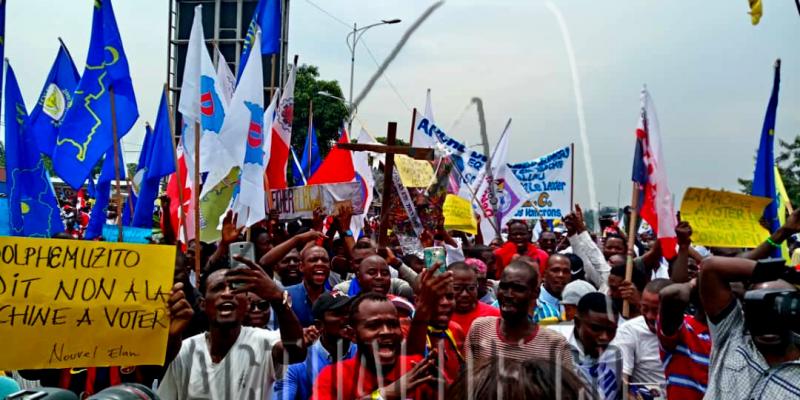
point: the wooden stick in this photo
(308, 136)
(268, 131)
(115, 136)
(383, 238)
(631, 242)
(572, 177)
(413, 122)
(196, 188)
(181, 211)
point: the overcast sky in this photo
(708, 69)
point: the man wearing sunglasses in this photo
(465, 286)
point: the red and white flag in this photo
(655, 200)
(175, 204)
(282, 135)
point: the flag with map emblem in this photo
(86, 132)
(55, 97)
(32, 205)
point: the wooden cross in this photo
(390, 149)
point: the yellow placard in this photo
(458, 215)
(724, 219)
(414, 173)
(71, 303)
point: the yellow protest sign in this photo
(724, 219)
(70, 303)
(458, 215)
(414, 173)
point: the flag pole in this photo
(572, 176)
(116, 161)
(631, 242)
(196, 194)
(182, 213)
(267, 190)
(413, 122)
(308, 136)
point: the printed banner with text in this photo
(300, 201)
(472, 162)
(548, 182)
(724, 219)
(70, 303)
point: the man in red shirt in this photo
(467, 306)
(519, 242)
(376, 332)
(435, 301)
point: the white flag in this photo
(225, 77)
(423, 136)
(241, 130)
(365, 177)
(200, 100)
(249, 198)
(509, 193)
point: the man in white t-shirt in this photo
(637, 339)
(231, 361)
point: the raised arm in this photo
(432, 288)
(229, 234)
(674, 299)
(278, 252)
(789, 228)
(169, 236)
(291, 348)
(716, 274)
(597, 269)
(680, 268)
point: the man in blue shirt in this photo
(330, 313)
(315, 267)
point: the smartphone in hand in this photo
(244, 249)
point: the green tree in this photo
(2, 154)
(788, 161)
(397, 141)
(328, 113)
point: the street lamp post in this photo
(356, 35)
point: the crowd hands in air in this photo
(331, 316)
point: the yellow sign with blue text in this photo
(70, 303)
(724, 219)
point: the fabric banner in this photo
(300, 201)
(724, 219)
(71, 303)
(130, 234)
(548, 182)
(472, 162)
(408, 204)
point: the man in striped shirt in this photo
(685, 342)
(514, 335)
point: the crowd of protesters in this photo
(321, 314)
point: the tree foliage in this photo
(788, 161)
(329, 114)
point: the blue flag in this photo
(33, 209)
(267, 17)
(159, 163)
(310, 160)
(54, 99)
(103, 188)
(85, 133)
(764, 177)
